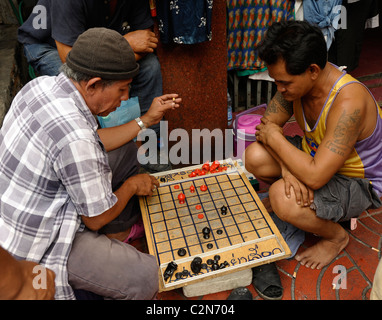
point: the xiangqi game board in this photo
(215, 230)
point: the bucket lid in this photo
(248, 123)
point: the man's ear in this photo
(314, 71)
(92, 85)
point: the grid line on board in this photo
(218, 185)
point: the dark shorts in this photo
(124, 164)
(342, 198)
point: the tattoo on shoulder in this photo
(279, 104)
(345, 133)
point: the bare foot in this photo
(323, 252)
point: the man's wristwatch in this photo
(140, 123)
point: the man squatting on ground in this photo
(334, 172)
(65, 184)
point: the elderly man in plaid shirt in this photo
(68, 190)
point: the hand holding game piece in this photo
(143, 184)
(181, 198)
(159, 107)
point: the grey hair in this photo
(82, 77)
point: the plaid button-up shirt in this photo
(53, 169)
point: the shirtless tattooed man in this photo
(334, 172)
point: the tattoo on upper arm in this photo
(345, 133)
(279, 104)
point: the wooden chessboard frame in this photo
(258, 246)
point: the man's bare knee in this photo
(282, 206)
(255, 156)
(249, 158)
(259, 162)
(276, 197)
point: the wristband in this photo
(140, 123)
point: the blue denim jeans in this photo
(43, 58)
(146, 85)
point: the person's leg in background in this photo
(43, 58)
(148, 85)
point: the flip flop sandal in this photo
(266, 281)
(137, 231)
(240, 293)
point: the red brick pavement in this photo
(360, 258)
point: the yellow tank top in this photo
(362, 163)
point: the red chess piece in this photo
(192, 174)
(203, 187)
(181, 198)
(214, 165)
(206, 166)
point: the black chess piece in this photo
(171, 267)
(182, 252)
(196, 265)
(206, 230)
